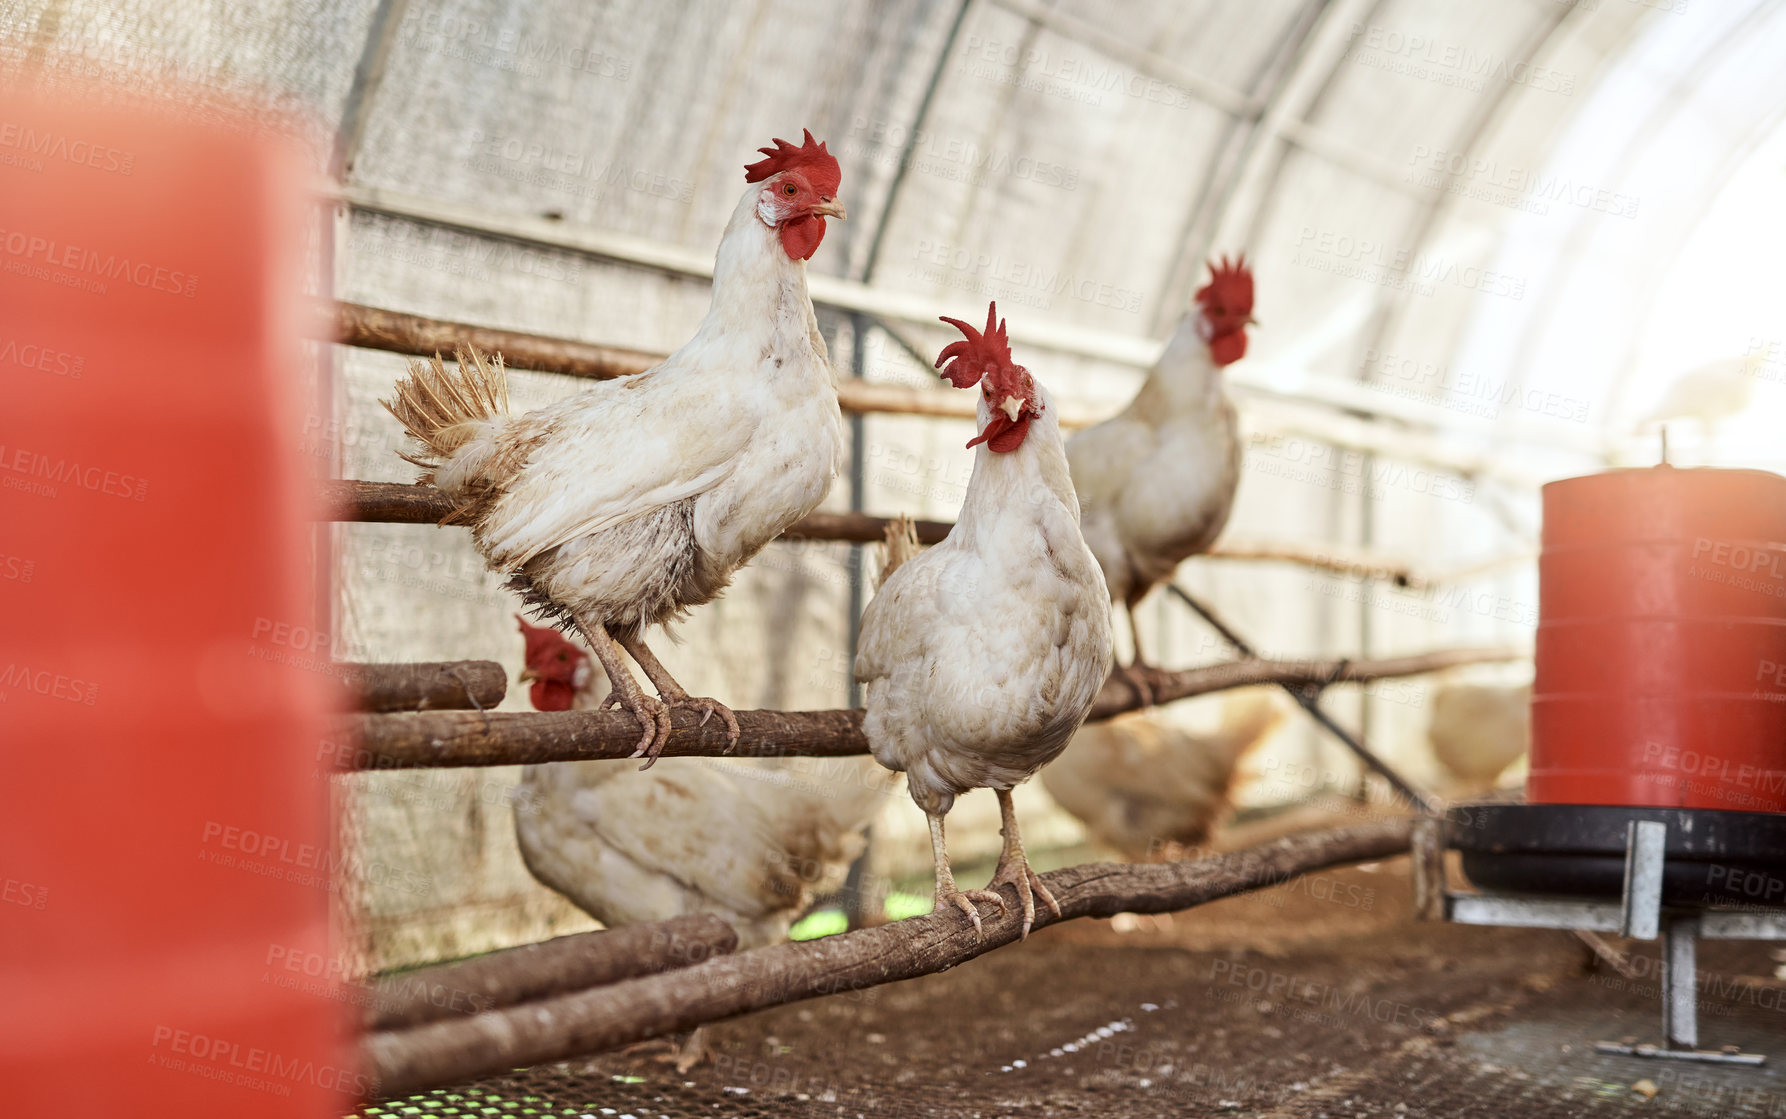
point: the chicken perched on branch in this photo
(982, 655)
(1157, 480)
(752, 840)
(1149, 788)
(623, 506)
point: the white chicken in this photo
(1150, 788)
(982, 655)
(746, 838)
(1477, 730)
(752, 840)
(1157, 481)
(632, 501)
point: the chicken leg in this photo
(1136, 671)
(675, 695)
(653, 714)
(1013, 866)
(946, 891)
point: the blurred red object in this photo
(1661, 658)
(164, 826)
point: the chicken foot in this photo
(653, 714)
(685, 1054)
(675, 695)
(1013, 866)
(946, 891)
(693, 1050)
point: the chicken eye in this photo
(790, 189)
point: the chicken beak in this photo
(527, 675)
(829, 208)
(1010, 405)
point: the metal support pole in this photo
(1680, 991)
(1640, 909)
(1310, 698)
(1428, 852)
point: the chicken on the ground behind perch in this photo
(982, 655)
(752, 840)
(1150, 788)
(625, 505)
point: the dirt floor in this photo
(1319, 998)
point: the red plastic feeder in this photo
(1661, 651)
(165, 844)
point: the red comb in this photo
(1230, 287)
(969, 358)
(810, 159)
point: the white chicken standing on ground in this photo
(752, 840)
(1149, 788)
(982, 655)
(623, 506)
(1157, 480)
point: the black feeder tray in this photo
(1711, 858)
(1681, 874)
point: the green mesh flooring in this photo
(562, 1092)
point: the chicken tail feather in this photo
(901, 544)
(455, 415)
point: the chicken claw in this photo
(1137, 676)
(1029, 887)
(708, 708)
(965, 899)
(653, 715)
(674, 694)
(682, 1055)
(693, 1051)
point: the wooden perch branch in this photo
(512, 738)
(397, 503)
(386, 502)
(375, 328)
(531, 737)
(425, 686)
(408, 1061)
(1342, 561)
(1118, 696)
(552, 967)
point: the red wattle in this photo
(552, 695)
(800, 237)
(1226, 349)
(1001, 434)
